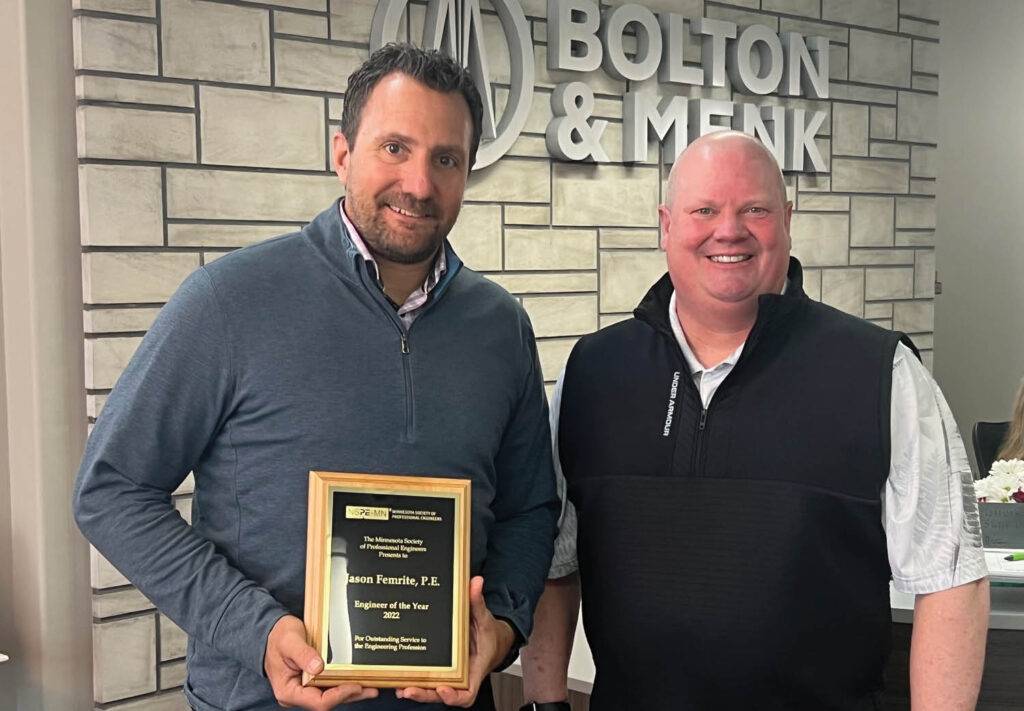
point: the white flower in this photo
(1005, 478)
(990, 491)
(1007, 466)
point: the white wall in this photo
(979, 317)
(44, 559)
(6, 531)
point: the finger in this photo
(424, 696)
(300, 656)
(347, 694)
(308, 697)
(456, 697)
(477, 606)
(365, 696)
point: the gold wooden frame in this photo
(322, 486)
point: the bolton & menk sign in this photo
(631, 42)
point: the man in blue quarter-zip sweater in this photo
(748, 469)
(359, 344)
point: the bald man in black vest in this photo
(745, 470)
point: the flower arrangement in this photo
(1004, 483)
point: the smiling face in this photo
(725, 229)
(406, 170)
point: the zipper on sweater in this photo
(405, 354)
(377, 294)
(410, 402)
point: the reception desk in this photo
(1002, 684)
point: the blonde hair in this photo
(1013, 445)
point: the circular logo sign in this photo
(456, 28)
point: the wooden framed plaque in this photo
(387, 579)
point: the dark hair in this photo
(427, 66)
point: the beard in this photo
(397, 246)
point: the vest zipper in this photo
(698, 444)
(655, 317)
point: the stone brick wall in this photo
(204, 125)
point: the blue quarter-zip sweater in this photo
(282, 358)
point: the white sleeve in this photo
(930, 513)
(564, 563)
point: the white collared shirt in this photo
(415, 302)
(930, 515)
(707, 380)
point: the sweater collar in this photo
(434, 275)
(330, 239)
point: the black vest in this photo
(734, 557)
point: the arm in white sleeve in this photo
(931, 515)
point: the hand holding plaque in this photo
(489, 643)
(387, 567)
(288, 656)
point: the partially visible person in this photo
(359, 344)
(1013, 445)
(746, 470)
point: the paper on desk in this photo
(994, 558)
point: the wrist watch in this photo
(547, 706)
